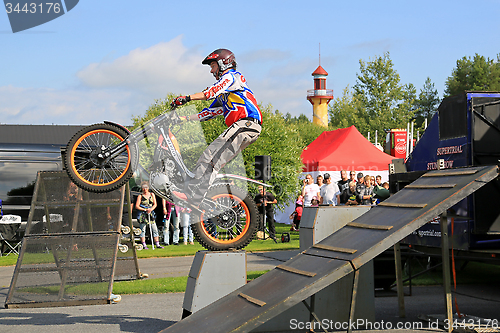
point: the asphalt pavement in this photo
(155, 312)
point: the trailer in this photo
(464, 133)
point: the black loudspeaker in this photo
(263, 167)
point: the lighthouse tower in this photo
(320, 97)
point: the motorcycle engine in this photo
(161, 181)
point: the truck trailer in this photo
(464, 132)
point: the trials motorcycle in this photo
(103, 157)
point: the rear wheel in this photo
(87, 165)
(234, 227)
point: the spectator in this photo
(314, 202)
(265, 201)
(297, 213)
(170, 217)
(352, 199)
(309, 190)
(319, 181)
(353, 176)
(329, 192)
(146, 204)
(343, 185)
(187, 233)
(364, 191)
(378, 180)
(360, 184)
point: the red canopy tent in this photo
(344, 148)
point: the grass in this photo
(161, 285)
(181, 250)
(9, 260)
(254, 246)
(151, 286)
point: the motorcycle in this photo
(104, 157)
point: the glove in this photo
(181, 100)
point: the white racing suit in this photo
(236, 102)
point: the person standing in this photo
(146, 204)
(265, 201)
(309, 190)
(343, 185)
(364, 190)
(187, 233)
(353, 176)
(296, 216)
(329, 192)
(170, 217)
(320, 181)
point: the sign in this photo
(26, 14)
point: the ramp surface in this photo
(339, 254)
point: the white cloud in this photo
(67, 106)
(117, 89)
(157, 70)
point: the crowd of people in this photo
(358, 189)
(175, 219)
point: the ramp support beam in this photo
(445, 253)
(313, 317)
(355, 283)
(399, 280)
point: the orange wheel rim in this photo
(246, 211)
(77, 173)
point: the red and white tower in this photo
(320, 97)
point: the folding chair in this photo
(9, 238)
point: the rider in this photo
(233, 99)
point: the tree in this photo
(378, 100)
(284, 144)
(307, 130)
(346, 111)
(479, 74)
(426, 104)
(277, 139)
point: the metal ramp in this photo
(338, 255)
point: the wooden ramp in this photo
(341, 253)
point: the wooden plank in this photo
(369, 226)
(252, 300)
(334, 248)
(401, 205)
(445, 173)
(430, 186)
(295, 270)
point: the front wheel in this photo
(86, 161)
(235, 227)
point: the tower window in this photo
(319, 84)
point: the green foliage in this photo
(426, 104)
(378, 100)
(283, 143)
(307, 130)
(478, 74)
(346, 111)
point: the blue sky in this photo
(109, 60)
